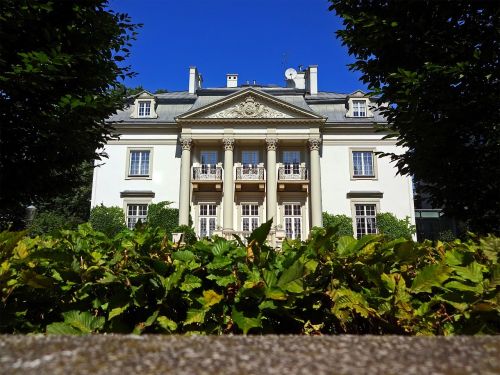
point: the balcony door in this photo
(209, 162)
(291, 163)
(293, 220)
(250, 163)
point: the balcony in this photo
(293, 177)
(207, 178)
(250, 179)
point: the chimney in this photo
(232, 80)
(194, 80)
(312, 80)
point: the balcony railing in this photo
(292, 172)
(250, 173)
(207, 173)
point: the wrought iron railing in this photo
(249, 173)
(207, 173)
(292, 172)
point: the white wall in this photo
(111, 177)
(336, 180)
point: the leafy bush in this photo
(189, 234)
(343, 222)
(162, 216)
(50, 221)
(108, 220)
(392, 227)
(138, 281)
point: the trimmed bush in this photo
(138, 281)
(108, 220)
(160, 215)
(343, 222)
(189, 234)
(393, 228)
(49, 222)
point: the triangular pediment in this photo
(249, 104)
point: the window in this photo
(144, 108)
(136, 212)
(208, 162)
(291, 160)
(359, 108)
(365, 219)
(249, 217)
(208, 219)
(139, 163)
(293, 220)
(362, 164)
(250, 158)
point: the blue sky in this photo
(257, 39)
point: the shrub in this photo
(82, 281)
(394, 228)
(108, 220)
(50, 221)
(162, 216)
(189, 234)
(343, 222)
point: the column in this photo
(315, 193)
(228, 184)
(271, 190)
(185, 188)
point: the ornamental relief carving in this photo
(249, 108)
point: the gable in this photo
(249, 104)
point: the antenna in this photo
(290, 73)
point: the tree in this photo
(434, 69)
(60, 62)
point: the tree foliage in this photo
(394, 228)
(59, 63)
(342, 222)
(108, 220)
(434, 67)
(82, 281)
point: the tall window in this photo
(365, 219)
(249, 217)
(208, 162)
(293, 220)
(291, 160)
(144, 109)
(136, 212)
(139, 163)
(250, 158)
(359, 108)
(362, 164)
(208, 219)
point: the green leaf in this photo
(61, 328)
(472, 272)
(166, 323)
(222, 280)
(83, 321)
(267, 305)
(210, 298)
(430, 276)
(245, 323)
(275, 294)
(269, 278)
(292, 278)
(195, 316)
(183, 255)
(457, 285)
(260, 234)
(190, 282)
(345, 244)
(117, 311)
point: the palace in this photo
(231, 158)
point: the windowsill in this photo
(373, 177)
(139, 177)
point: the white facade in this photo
(231, 158)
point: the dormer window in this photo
(144, 108)
(359, 108)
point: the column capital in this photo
(186, 143)
(314, 144)
(228, 144)
(272, 144)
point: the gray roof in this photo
(172, 104)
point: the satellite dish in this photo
(290, 73)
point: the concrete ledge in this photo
(228, 355)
